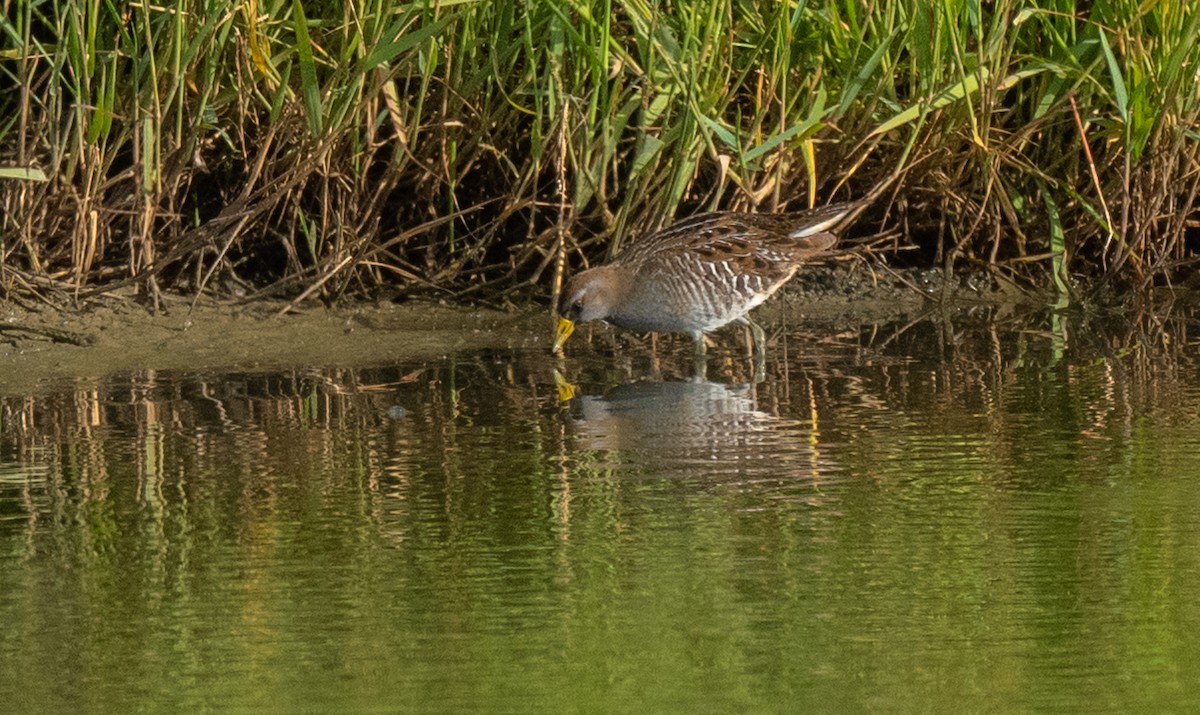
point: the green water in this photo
(929, 517)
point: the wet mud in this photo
(115, 334)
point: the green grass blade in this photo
(22, 173)
(809, 124)
(1120, 94)
(309, 89)
(385, 52)
(1058, 249)
(959, 90)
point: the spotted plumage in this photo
(700, 273)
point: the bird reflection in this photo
(689, 427)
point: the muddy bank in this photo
(119, 335)
(115, 334)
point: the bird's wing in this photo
(765, 245)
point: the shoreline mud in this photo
(116, 334)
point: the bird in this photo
(700, 274)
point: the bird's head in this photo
(590, 295)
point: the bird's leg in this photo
(655, 363)
(758, 352)
(699, 357)
(760, 338)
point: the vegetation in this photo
(324, 148)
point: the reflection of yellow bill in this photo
(562, 332)
(565, 389)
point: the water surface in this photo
(968, 513)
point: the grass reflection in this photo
(1007, 503)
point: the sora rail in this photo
(700, 274)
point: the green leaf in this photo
(310, 236)
(955, 92)
(1058, 249)
(1114, 70)
(850, 93)
(648, 147)
(812, 120)
(22, 173)
(308, 70)
(385, 52)
(727, 138)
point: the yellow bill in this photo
(562, 332)
(564, 388)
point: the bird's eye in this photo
(568, 308)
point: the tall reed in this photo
(312, 147)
